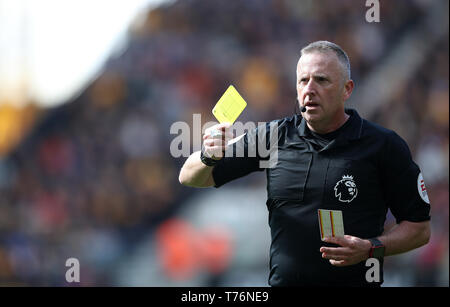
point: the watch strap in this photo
(377, 249)
(207, 161)
(375, 242)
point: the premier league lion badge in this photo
(345, 189)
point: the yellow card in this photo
(229, 106)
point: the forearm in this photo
(405, 236)
(196, 174)
(399, 239)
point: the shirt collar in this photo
(352, 131)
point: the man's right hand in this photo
(215, 140)
(196, 174)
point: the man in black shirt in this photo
(328, 158)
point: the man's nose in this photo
(309, 88)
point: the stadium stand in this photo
(95, 179)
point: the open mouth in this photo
(312, 105)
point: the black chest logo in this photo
(345, 189)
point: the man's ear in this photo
(348, 89)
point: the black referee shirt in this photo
(306, 178)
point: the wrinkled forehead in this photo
(323, 62)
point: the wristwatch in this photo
(377, 249)
(208, 161)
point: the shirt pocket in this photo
(287, 180)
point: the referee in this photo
(328, 158)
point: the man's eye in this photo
(321, 79)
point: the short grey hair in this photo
(326, 46)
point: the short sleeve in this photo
(403, 183)
(243, 157)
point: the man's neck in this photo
(328, 128)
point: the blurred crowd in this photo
(96, 175)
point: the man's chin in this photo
(312, 117)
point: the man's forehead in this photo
(317, 62)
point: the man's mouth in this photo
(311, 105)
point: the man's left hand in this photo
(352, 250)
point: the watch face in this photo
(378, 252)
